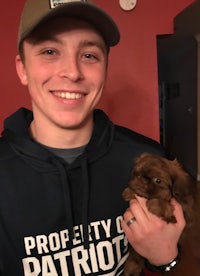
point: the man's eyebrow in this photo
(49, 37)
(43, 38)
(91, 43)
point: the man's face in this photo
(64, 68)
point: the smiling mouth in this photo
(68, 95)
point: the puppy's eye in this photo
(157, 180)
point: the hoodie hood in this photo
(16, 132)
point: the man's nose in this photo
(70, 68)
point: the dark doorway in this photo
(177, 75)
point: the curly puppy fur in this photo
(158, 180)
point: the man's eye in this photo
(89, 56)
(49, 52)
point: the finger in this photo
(132, 201)
(128, 229)
(128, 215)
(142, 201)
(139, 209)
(131, 221)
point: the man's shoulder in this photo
(5, 149)
(135, 139)
(132, 135)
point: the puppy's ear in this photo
(183, 188)
(181, 181)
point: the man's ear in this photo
(21, 71)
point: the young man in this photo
(64, 165)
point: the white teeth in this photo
(68, 96)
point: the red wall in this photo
(131, 94)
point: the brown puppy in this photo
(158, 180)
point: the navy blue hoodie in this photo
(65, 219)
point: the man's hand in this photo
(149, 235)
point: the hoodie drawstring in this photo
(67, 198)
(66, 195)
(85, 201)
